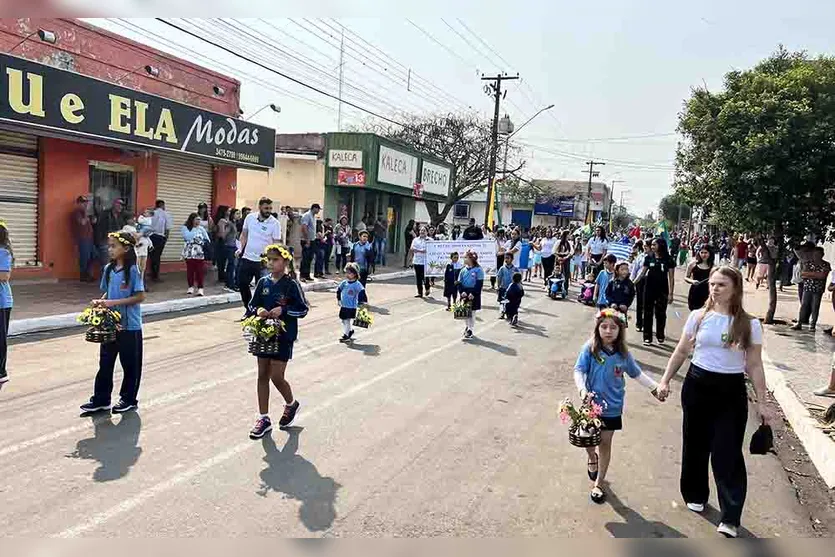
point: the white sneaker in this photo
(696, 507)
(727, 530)
(190, 290)
(199, 291)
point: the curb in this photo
(68, 320)
(819, 447)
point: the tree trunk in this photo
(436, 217)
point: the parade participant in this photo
(6, 299)
(548, 248)
(418, 250)
(600, 367)
(697, 276)
(471, 282)
(350, 294)
(499, 237)
(504, 278)
(658, 273)
(597, 248)
(124, 291)
(453, 268)
(602, 281)
(362, 253)
(537, 260)
(577, 260)
(514, 296)
(196, 239)
(513, 246)
(620, 291)
(726, 345)
(277, 296)
(642, 249)
(564, 251)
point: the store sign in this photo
(435, 178)
(397, 168)
(341, 158)
(35, 95)
(555, 206)
(345, 177)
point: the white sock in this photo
(471, 323)
(263, 416)
(292, 403)
(346, 326)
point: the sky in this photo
(616, 71)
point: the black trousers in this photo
(156, 254)
(420, 279)
(548, 267)
(363, 276)
(128, 347)
(247, 270)
(715, 414)
(307, 260)
(5, 317)
(639, 309)
(655, 304)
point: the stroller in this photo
(587, 293)
(556, 287)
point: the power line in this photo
(615, 162)
(468, 43)
(499, 56)
(439, 43)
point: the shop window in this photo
(461, 211)
(109, 182)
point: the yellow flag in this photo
(490, 205)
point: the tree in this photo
(672, 205)
(463, 140)
(759, 155)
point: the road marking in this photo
(149, 493)
(204, 386)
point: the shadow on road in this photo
(500, 348)
(114, 446)
(366, 349)
(636, 526)
(378, 310)
(297, 478)
(535, 330)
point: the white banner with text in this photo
(438, 252)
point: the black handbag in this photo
(762, 442)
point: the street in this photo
(408, 432)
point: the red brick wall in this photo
(95, 52)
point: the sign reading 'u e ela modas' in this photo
(397, 168)
(36, 95)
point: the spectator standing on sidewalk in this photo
(111, 221)
(82, 230)
(381, 231)
(259, 231)
(227, 233)
(342, 243)
(814, 273)
(196, 239)
(408, 235)
(160, 230)
(308, 238)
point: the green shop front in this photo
(368, 176)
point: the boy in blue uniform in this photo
(451, 280)
(350, 294)
(602, 281)
(504, 278)
(277, 296)
(514, 296)
(124, 291)
(363, 255)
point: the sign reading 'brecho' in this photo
(35, 95)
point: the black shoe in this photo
(344, 338)
(122, 407)
(597, 495)
(261, 428)
(92, 406)
(468, 334)
(290, 413)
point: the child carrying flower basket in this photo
(264, 335)
(584, 430)
(103, 323)
(364, 319)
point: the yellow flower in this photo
(96, 320)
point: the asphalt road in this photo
(409, 432)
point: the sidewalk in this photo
(51, 306)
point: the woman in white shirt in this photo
(726, 344)
(514, 246)
(549, 254)
(596, 248)
(418, 250)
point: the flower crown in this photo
(122, 239)
(609, 312)
(282, 251)
(3, 224)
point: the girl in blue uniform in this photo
(453, 268)
(350, 294)
(600, 369)
(124, 291)
(470, 282)
(277, 296)
(6, 300)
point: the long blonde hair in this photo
(740, 333)
(620, 341)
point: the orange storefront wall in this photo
(64, 175)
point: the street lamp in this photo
(274, 107)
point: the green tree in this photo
(464, 141)
(672, 205)
(759, 155)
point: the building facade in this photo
(88, 112)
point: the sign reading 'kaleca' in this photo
(37, 95)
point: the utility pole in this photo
(591, 164)
(341, 67)
(612, 201)
(494, 89)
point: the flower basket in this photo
(462, 309)
(259, 347)
(364, 319)
(585, 425)
(588, 437)
(263, 335)
(103, 322)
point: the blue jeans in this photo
(380, 249)
(319, 264)
(86, 252)
(231, 266)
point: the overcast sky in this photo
(614, 69)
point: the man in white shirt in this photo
(160, 230)
(259, 230)
(308, 224)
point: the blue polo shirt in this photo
(114, 284)
(602, 281)
(6, 299)
(604, 376)
(470, 276)
(362, 254)
(351, 294)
